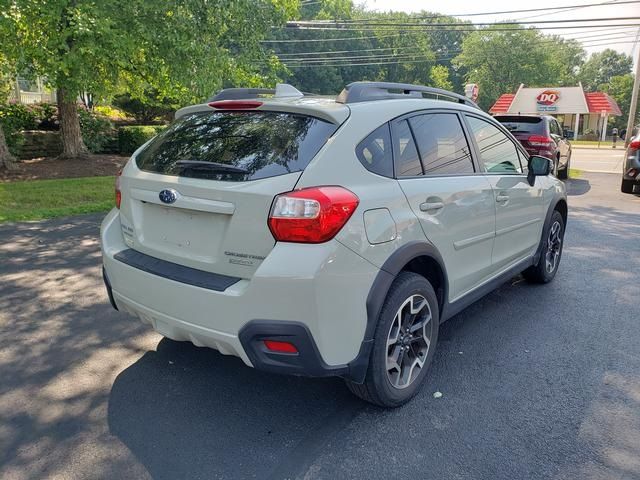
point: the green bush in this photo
(130, 138)
(97, 130)
(14, 118)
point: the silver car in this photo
(328, 237)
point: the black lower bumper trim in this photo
(307, 362)
(109, 289)
(175, 272)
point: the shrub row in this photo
(98, 131)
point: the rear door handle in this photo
(502, 197)
(429, 206)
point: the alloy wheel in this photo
(408, 341)
(554, 244)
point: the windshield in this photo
(236, 146)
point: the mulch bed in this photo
(52, 167)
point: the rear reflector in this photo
(280, 347)
(311, 215)
(540, 140)
(235, 104)
(118, 192)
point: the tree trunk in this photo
(72, 144)
(6, 159)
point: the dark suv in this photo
(631, 169)
(541, 135)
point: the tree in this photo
(500, 60)
(440, 77)
(7, 160)
(184, 49)
(602, 66)
(620, 87)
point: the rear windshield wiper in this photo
(211, 166)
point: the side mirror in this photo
(538, 167)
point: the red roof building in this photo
(583, 113)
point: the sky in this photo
(454, 7)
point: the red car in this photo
(541, 135)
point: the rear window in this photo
(236, 146)
(515, 124)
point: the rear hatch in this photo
(531, 132)
(199, 194)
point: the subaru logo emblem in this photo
(168, 195)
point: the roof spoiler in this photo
(368, 91)
(282, 90)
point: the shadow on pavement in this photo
(577, 186)
(189, 412)
(59, 346)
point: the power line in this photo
(609, 36)
(494, 27)
(503, 12)
(336, 24)
(386, 60)
(586, 28)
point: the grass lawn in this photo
(590, 143)
(39, 199)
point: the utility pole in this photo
(634, 96)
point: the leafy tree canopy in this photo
(499, 61)
(602, 66)
(181, 48)
(620, 87)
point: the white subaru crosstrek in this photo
(321, 237)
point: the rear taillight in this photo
(540, 141)
(635, 144)
(311, 215)
(235, 104)
(118, 192)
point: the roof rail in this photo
(367, 91)
(282, 90)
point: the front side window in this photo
(442, 144)
(374, 152)
(236, 146)
(497, 152)
(407, 159)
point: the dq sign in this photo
(546, 100)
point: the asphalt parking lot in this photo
(537, 381)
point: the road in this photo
(536, 381)
(604, 160)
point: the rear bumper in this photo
(315, 294)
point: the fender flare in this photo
(378, 293)
(557, 198)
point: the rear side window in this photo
(442, 144)
(236, 146)
(407, 159)
(517, 124)
(374, 152)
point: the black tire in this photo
(564, 173)
(541, 273)
(627, 186)
(378, 387)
